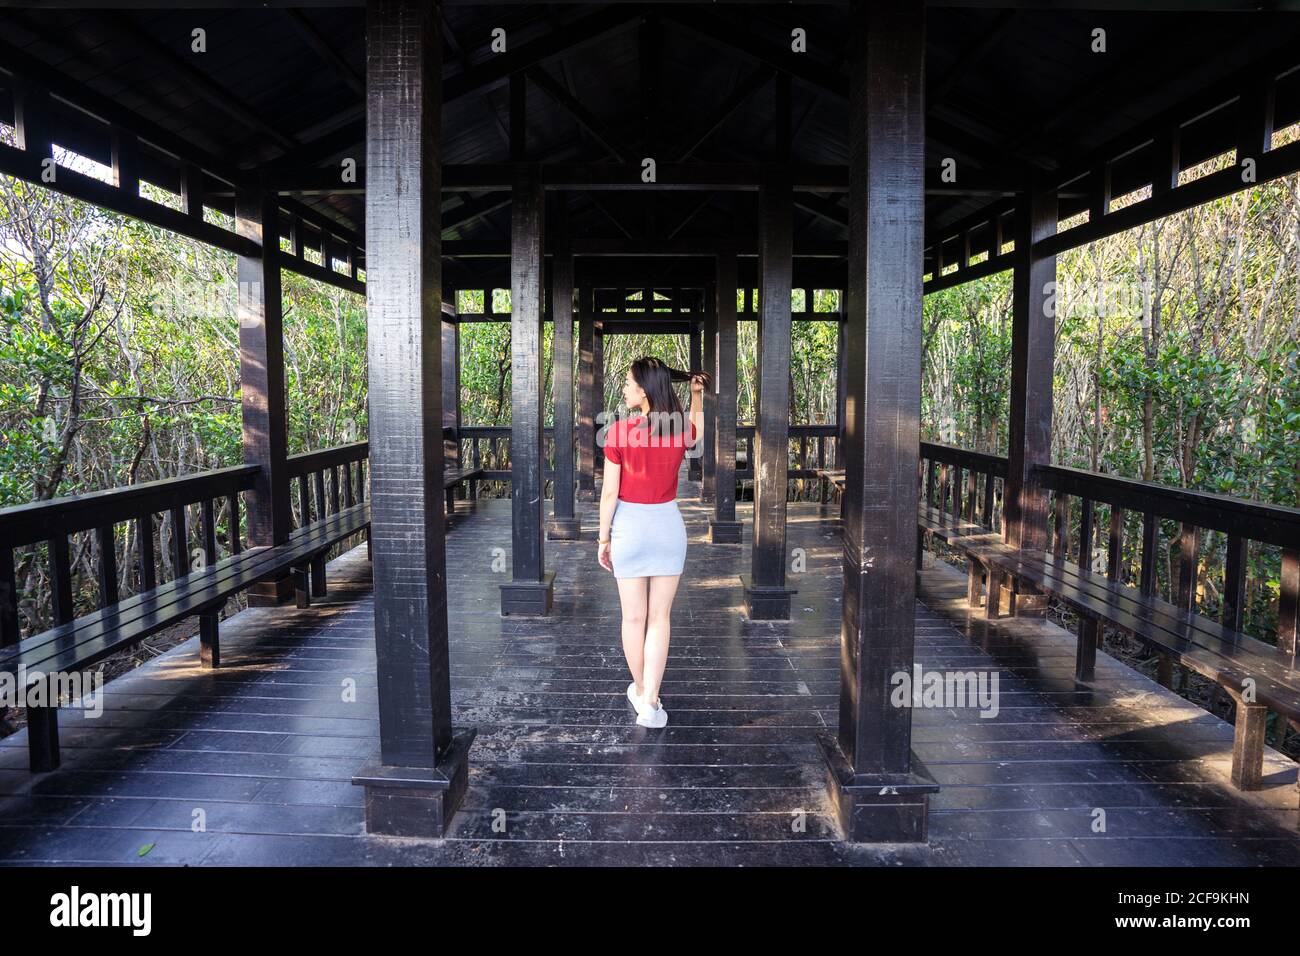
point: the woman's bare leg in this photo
(663, 589)
(632, 596)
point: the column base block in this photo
(765, 603)
(1026, 603)
(725, 532)
(877, 808)
(272, 593)
(564, 529)
(417, 801)
(529, 597)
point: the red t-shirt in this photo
(649, 463)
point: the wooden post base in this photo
(564, 529)
(877, 808)
(43, 738)
(417, 801)
(724, 532)
(766, 603)
(319, 587)
(210, 638)
(1085, 661)
(302, 587)
(529, 597)
(974, 582)
(1025, 602)
(1248, 744)
(271, 593)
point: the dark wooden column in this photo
(598, 391)
(587, 404)
(564, 522)
(1033, 345)
(451, 391)
(724, 527)
(880, 790)
(420, 776)
(261, 381)
(766, 595)
(531, 587)
(708, 485)
(841, 386)
(693, 469)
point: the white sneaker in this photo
(645, 716)
(652, 718)
(635, 700)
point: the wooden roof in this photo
(1008, 90)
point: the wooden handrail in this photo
(1271, 524)
(1239, 520)
(344, 465)
(52, 522)
(977, 460)
(311, 461)
(42, 520)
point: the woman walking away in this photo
(642, 535)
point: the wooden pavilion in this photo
(632, 167)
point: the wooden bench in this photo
(1254, 674)
(451, 477)
(87, 640)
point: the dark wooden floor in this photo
(266, 747)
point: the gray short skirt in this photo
(647, 540)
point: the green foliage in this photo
(119, 363)
(1177, 351)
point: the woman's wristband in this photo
(602, 540)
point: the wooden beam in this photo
(588, 120)
(124, 32)
(421, 772)
(758, 78)
(566, 38)
(877, 785)
(766, 593)
(323, 48)
(531, 586)
(738, 176)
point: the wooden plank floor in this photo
(262, 751)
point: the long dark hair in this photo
(656, 378)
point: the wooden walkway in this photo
(262, 751)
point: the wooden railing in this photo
(813, 447)
(962, 483)
(328, 480)
(969, 485)
(51, 526)
(1194, 513)
(119, 525)
(488, 447)
(819, 439)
